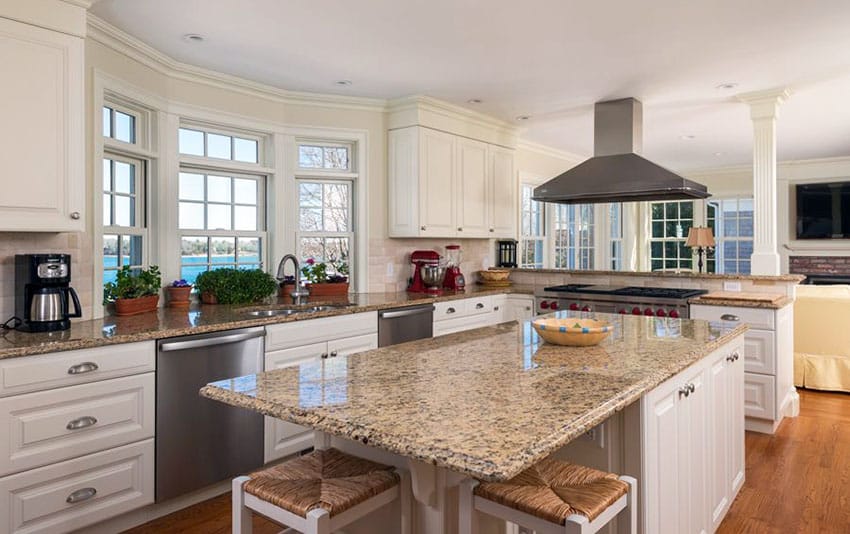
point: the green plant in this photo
(324, 273)
(236, 286)
(133, 283)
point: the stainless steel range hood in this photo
(616, 172)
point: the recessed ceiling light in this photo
(687, 137)
(727, 86)
(474, 101)
(718, 154)
(343, 82)
(523, 117)
(193, 38)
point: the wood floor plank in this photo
(798, 481)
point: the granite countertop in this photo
(488, 402)
(686, 274)
(200, 319)
(769, 301)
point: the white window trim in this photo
(544, 237)
(217, 128)
(719, 237)
(299, 234)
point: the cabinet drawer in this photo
(298, 333)
(760, 396)
(50, 426)
(48, 371)
(755, 317)
(759, 352)
(478, 305)
(462, 323)
(115, 481)
(449, 309)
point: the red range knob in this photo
(544, 304)
(661, 313)
(622, 311)
(574, 306)
(554, 305)
(648, 312)
(586, 309)
(636, 311)
(674, 314)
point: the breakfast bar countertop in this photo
(488, 402)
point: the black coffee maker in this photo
(43, 292)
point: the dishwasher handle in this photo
(406, 312)
(212, 340)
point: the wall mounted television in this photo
(823, 211)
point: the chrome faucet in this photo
(299, 294)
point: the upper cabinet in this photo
(446, 185)
(42, 142)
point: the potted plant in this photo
(179, 293)
(235, 286)
(134, 290)
(286, 286)
(326, 279)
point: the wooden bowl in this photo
(494, 275)
(572, 332)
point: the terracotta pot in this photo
(208, 297)
(178, 297)
(285, 290)
(329, 289)
(136, 306)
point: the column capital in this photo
(765, 104)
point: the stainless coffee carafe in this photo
(43, 293)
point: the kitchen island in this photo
(491, 402)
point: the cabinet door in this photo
(473, 189)
(736, 432)
(403, 182)
(352, 345)
(693, 413)
(520, 309)
(720, 379)
(437, 170)
(502, 197)
(283, 438)
(663, 443)
(42, 138)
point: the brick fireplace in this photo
(821, 269)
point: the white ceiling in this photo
(551, 59)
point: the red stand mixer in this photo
(454, 280)
(427, 272)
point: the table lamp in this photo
(702, 238)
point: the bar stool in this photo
(319, 493)
(553, 497)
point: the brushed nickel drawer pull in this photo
(684, 390)
(450, 310)
(80, 368)
(81, 422)
(81, 495)
(479, 306)
(334, 354)
(729, 317)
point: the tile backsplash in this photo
(78, 245)
(389, 259)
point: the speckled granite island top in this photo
(488, 402)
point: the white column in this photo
(764, 107)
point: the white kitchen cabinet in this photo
(693, 440)
(769, 393)
(519, 308)
(445, 185)
(322, 343)
(42, 140)
(465, 314)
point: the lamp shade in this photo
(700, 236)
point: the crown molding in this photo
(85, 4)
(450, 110)
(545, 150)
(731, 170)
(101, 31)
(765, 104)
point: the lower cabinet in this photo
(283, 438)
(693, 436)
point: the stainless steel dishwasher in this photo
(405, 324)
(200, 441)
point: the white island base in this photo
(683, 441)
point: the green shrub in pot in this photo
(236, 286)
(132, 284)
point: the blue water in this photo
(188, 271)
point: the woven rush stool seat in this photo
(319, 492)
(552, 496)
(327, 479)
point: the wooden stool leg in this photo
(318, 522)
(405, 496)
(629, 518)
(466, 507)
(241, 514)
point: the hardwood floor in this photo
(798, 481)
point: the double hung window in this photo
(670, 222)
(731, 221)
(220, 210)
(573, 242)
(532, 230)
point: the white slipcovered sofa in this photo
(822, 337)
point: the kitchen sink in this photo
(285, 312)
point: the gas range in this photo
(634, 300)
